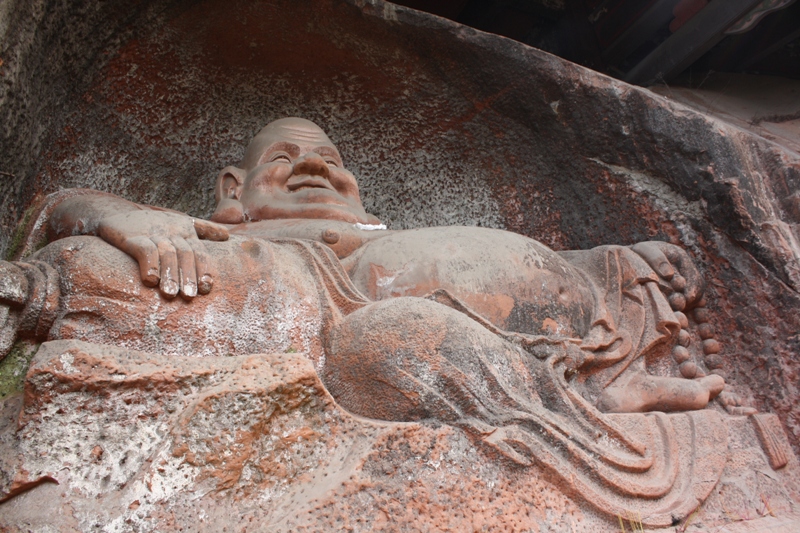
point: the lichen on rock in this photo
(14, 367)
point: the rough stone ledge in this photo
(111, 439)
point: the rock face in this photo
(442, 125)
(123, 440)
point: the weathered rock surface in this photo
(118, 440)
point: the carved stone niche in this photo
(316, 372)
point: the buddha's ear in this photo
(229, 184)
(228, 191)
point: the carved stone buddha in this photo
(524, 348)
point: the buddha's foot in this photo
(644, 393)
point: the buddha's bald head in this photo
(292, 170)
(294, 130)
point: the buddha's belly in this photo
(513, 281)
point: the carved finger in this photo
(210, 231)
(111, 233)
(146, 254)
(186, 267)
(8, 330)
(13, 284)
(694, 284)
(205, 276)
(650, 252)
(168, 258)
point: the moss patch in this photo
(19, 235)
(14, 367)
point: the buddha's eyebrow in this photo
(327, 150)
(290, 148)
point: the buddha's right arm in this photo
(81, 215)
(165, 243)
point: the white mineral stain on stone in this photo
(273, 318)
(607, 442)
(386, 281)
(66, 362)
(172, 478)
(369, 227)
(65, 436)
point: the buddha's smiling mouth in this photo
(308, 182)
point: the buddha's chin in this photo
(314, 211)
(330, 212)
(317, 195)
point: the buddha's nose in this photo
(311, 164)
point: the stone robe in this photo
(411, 358)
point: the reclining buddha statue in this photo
(537, 355)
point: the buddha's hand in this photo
(680, 276)
(167, 247)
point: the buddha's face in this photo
(292, 170)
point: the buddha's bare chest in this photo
(513, 281)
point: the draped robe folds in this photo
(426, 359)
(632, 321)
(408, 359)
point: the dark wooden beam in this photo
(578, 31)
(690, 42)
(656, 17)
(613, 18)
(785, 29)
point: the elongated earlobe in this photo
(228, 191)
(228, 211)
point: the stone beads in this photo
(710, 346)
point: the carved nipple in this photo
(331, 236)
